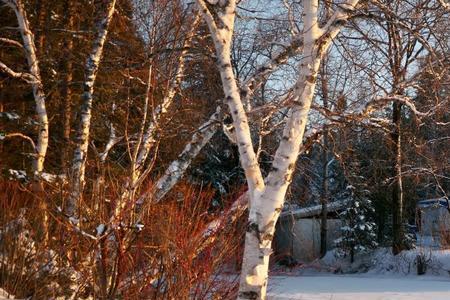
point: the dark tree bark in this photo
(397, 190)
(324, 195)
(66, 90)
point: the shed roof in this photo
(315, 210)
(429, 203)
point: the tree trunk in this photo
(352, 255)
(267, 196)
(398, 243)
(42, 12)
(149, 138)
(326, 164)
(37, 86)
(324, 196)
(179, 166)
(82, 139)
(66, 89)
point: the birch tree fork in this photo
(82, 139)
(267, 197)
(205, 132)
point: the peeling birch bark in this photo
(36, 84)
(82, 139)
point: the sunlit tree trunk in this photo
(36, 84)
(267, 196)
(42, 17)
(82, 138)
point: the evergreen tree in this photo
(358, 230)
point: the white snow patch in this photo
(367, 287)
(5, 295)
(100, 229)
(52, 178)
(383, 262)
(17, 174)
(10, 115)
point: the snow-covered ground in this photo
(373, 276)
(359, 287)
(4, 295)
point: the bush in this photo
(166, 255)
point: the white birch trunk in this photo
(267, 206)
(222, 32)
(82, 140)
(169, 179)
(36, 83)
(267, 198)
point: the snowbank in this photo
(364, 287)
(382, 261)
(5, 295)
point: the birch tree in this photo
(35, 80)
(205, 132)
(82, 139)
(267, 194)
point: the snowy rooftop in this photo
(315, 210)
(439, 202)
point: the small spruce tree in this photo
(358, 231)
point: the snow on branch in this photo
(382, 101)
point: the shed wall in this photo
(301, 238)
